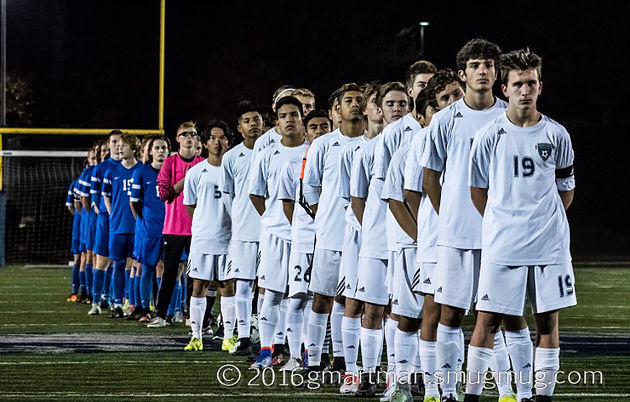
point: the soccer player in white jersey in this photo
(446, 154)
(351, 320)
(291, 191)
(306, 98)
(272, 136)
(321, 190)
(406, 304)
(244, 253)
(211, 233)
(275, 233)
(370, 210)
(443, 88)
(521, 181)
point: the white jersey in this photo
(322, 170)
(234, 180)
(393, 189)
(524, 222)
(427, 217)
(393, 136)
(270, 137)
(362, 185)
(211, 226)
(451, 133)
(302, 225)
(264, 180)
(345, 170)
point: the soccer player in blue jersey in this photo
(101, 240)
(149, 209)
(121, 223)
(74, 246)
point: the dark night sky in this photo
(95, 64)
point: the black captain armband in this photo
(564, 173)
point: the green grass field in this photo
(51, 349)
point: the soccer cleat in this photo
(402, 393)
(431, 399)
(292, 364)
(179, 318)
(349, 384)
(532, 399)
(117, 312)
(169, 321)
(95, 310)
(277, 359)
(105, 304)
(72, 298)
(228, 343)
(145, 318)
(195, 344)
(386, 396)
(241, 348)
(508, 398)
(135, 314)
(449, 398)
(263, 361)
(367, 385)
(157, 322)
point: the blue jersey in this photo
(145, 190)
(82, 189)
(139, 226)
(116, 184)
(96, 182)
(76, 217)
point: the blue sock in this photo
(178, 305)
(136, 291)
(75, 279)
(146, 285)
(88, 278)
(107, 283)
(118, 281)
(174, 300)
(82, 280)
(97, 282)
(127, 284)
(159, 282)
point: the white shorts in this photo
(273, 271)
(300, 268)
(206, 267)
(389, 275)
(371, 285)
(404, 301)
(349, 262)
(244, 257)
(325, 272)
(548, 288)
(426, 284)
(457, 276)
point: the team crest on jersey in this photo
(544, 150)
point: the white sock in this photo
(428, 362)
(371, 343)
(243, 307)
(406, 349)
(295, 318)
(390, 344)
(259, 302)
(351, 332)
(197, 310)
(281, 326)
(228, 314)
(417, 366)
(519, 345)
(307, 311)
(447, 352)
(478, 363)
(546, 364)
(462, 351)
(335, 329)
(500, 366)
(268, 318)
(315, 338)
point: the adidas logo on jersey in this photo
(351, 347)
(427, 281)
(407, 128)
(458, 115)
(446, 366)
(439, 290)
(348, 286)
(336, 144)
(395, 302)
(241, 155)
(501, 131)
(403, 361)
(528, 365)
(195, 269)
(237, 270)
(279, 333)
(277, 152)
(312, 345)
(289, 330)
(263, 319)
(262, 278)
(485, 298)
(362, 289)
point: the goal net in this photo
(37, 224)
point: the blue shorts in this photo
(150, 250)
(74, 245)
(82, 247)
(120, 246)
(137, 244)
(91, 231)
(83, 231)
(101, 238)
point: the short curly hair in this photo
(478, 49)
(439, 82)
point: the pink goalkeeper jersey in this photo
(176, 218)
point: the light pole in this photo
(422, 25)
(3, 63)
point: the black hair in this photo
(156, 137)
(316, 113)
(331, 98)
(423, 101)
(247, 106)
(289, 100)
(205, 133)
(478, 49)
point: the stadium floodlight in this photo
(422, 24)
